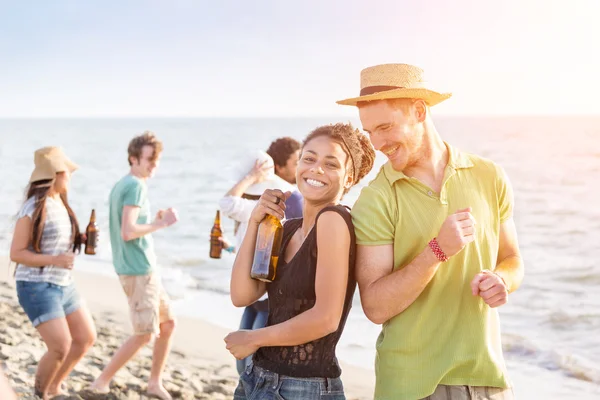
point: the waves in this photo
(570, 365)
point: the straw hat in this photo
(394, 81)
(48, 161)
(271, 182)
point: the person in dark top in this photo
(311, 295)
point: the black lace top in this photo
(293, 292)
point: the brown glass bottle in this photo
(91, 233)
(266, 252)
(215, 233)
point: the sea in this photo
(550, 326)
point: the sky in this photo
(264, 58)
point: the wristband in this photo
(229, 249)
(437, 251)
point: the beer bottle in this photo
(266, 252)
(215, 233)
(91, 233)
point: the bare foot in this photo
(57, 391)
(158, 390)
(99, 387)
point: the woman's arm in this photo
(333, 244)
(333, 253)
(20, 253)
(243, 289)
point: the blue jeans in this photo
(260, 384)
(43, 301)
(251, 319)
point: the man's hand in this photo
(456, 231)
(166, 217)
(490, 287)
(260, 171)
(226, 244)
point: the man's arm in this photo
(510, 264)
(385, 294)
(131, 230)
(258, 173)
(237, 208)
(495, 286)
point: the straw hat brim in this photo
(49, 171)
(429, 96)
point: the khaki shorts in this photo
(444, 392)
(148, 302)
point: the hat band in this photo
(376, 89)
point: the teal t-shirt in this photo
(134, 257)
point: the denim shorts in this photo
(257, 383)
(43, 301)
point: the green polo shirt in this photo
(134, 257)
(447, 336)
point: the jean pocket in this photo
(240, 391)
(332, 389)
(31, 290)
(250, 382)
(297, 389)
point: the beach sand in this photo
(199, 367)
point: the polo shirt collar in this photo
(456, 160)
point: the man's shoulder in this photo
(127, 183)
(482, 165)
(376, 195)
(380, 186)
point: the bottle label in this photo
(92, 239)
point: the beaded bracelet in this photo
(439, 253)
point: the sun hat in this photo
(272, 181)
(48, 161)
(394, 81)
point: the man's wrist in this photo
(437, 250)
(250, 179)
(159, 224)
(503, 281)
